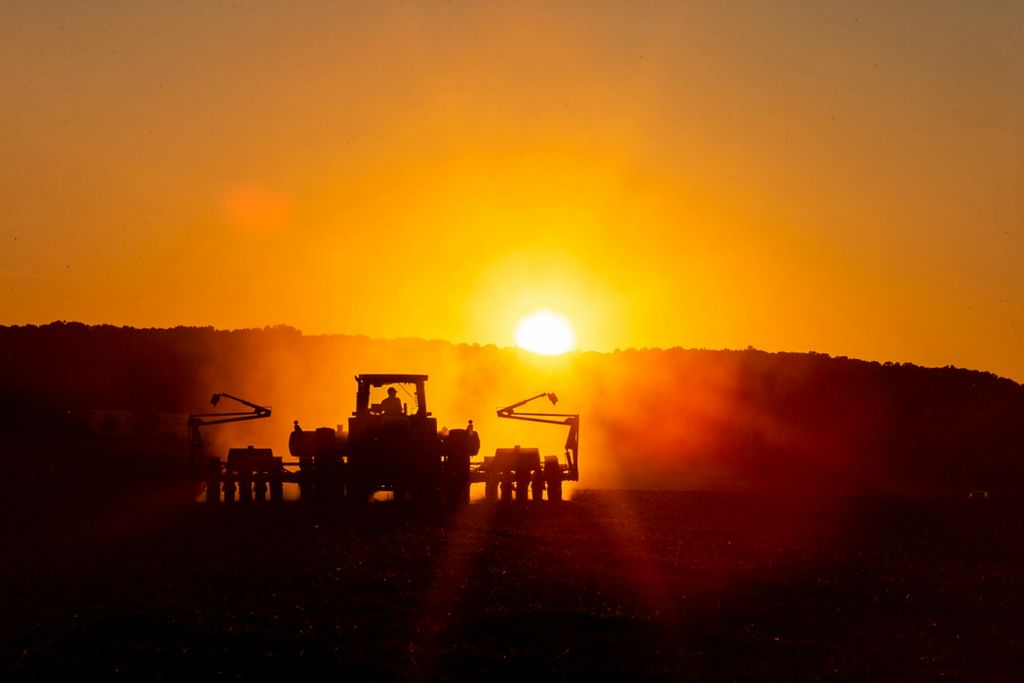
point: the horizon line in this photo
(512, 348)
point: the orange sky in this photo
(793, 176)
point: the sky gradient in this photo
(838, 177)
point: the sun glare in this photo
(546, 333)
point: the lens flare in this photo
(545, 333)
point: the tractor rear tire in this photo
(357, 487)
(358, 495)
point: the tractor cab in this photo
(380, 395)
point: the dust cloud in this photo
(651, 419)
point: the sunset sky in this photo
(840, 177)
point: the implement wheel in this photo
(213, 487)
(229, 487)
(537, 485)
(276, 487)
(506, 487)
(555, 487)
(553, 477)
(522, 479)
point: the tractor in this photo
(391, 444)
(388, 447)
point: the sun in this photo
(545, 333)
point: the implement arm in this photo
(572, 420)
(197, 459)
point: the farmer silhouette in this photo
(392, 405)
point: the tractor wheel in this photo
(456, 492)
(357, 491)
(327, 484)
(306, 479)
(427, 496)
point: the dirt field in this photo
(129, 579)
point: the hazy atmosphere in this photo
(721, 304)
(843, 178)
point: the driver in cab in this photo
(392, 405)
